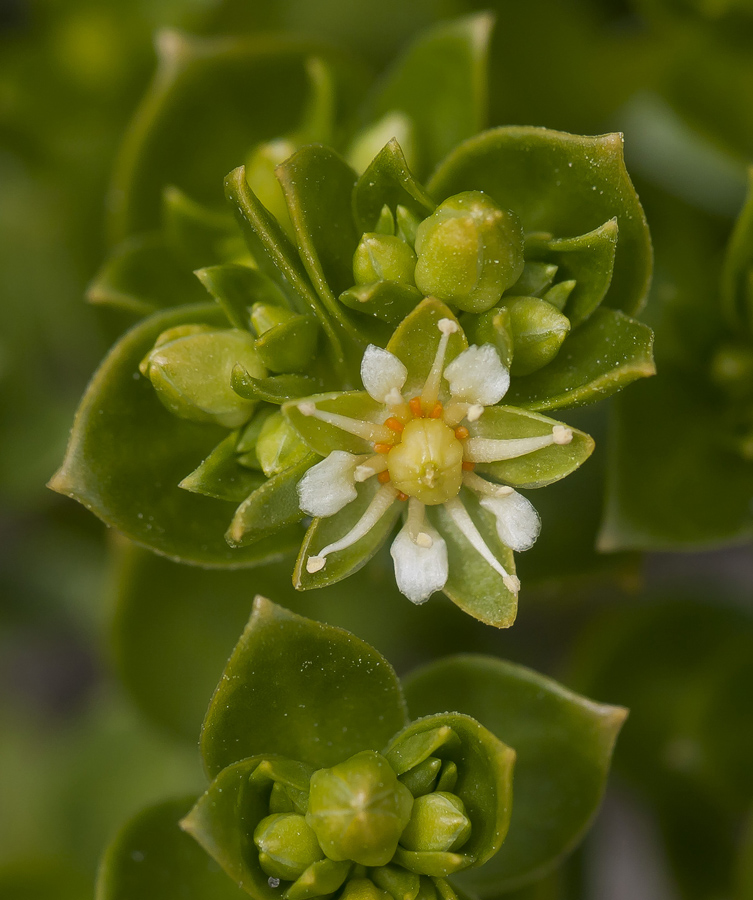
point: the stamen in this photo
(383, 448)
(474, 412)
(460, 517)
(461, 432)
(467, 466)
(368, 430)
(372, 466)
(430, 393)
(402, 496)
(416, 408)
(416, 512)
(482, 486)
(394, 398)
(394, 424)
(383, 477)
(455, 412)
(484, 450)
(436, 413)
(379, 505)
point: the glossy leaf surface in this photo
(344, 694)
(563, 744)
(221, 475)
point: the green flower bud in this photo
(438, 823)
(191, 372)
(386, 221)
(261, 178)
(383, 257)
(422, 778)
(359, 809)
(266, 315)
(407, 224)
(363, 889)
(279, 799)
(469, 252)
(538, 330)
(287, 846)
(278, 446)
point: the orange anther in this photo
(382, 448)
(461, 432)
(383, 477)
(394, 424)
(436, 412)
(468, 466)
(416, 408)
(401, 496)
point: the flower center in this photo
(428, 462)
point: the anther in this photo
(402, 496)
(436, 413)
(416, 408)
(461, 432)
(382, 448)
(474, 412)
(424, 540)
(394, 424)
(561, 434)
(383, 477)
(468, 466)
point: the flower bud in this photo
(358, 809)
(383, 257)
(266, 315)
(538, 330)
(469, 252)
(421, 779)
(261, 178)
(363, 889)
(438, 822)
(279, 445)
(191, 372)
(287, 846)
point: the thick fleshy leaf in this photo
(675, 481)
(440, 83)
(416, 339)
(323, 437)
(277, 389)
(298, 688)
(473, 584)
(484, 784)
(588, 260)
(141, 275)
(388, 182)
(198, 236)
(127, 455)
(271, 507)
(563, 743)
(323, 532)
(222, 476)
(605, 354)
(236, 288)
(536, 469)
(386, 300)
(737, 296)
(152, 858)
(560, 184)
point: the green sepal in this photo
(536, 469)
(236, 288)
(322, 437)
(269, 508)
(127, 454)
(588, 260)
(312, 690)
(399, 883)
(388, 182)
(605, 354)
(415, 343)
(221, 475)
(142, 275)
(561, 184)
(277, 389)
(448, 777)
(440, 84)
(538, 331)
(151, 857)
(386, 300)
(563, 744)
(278, 446)
(472, 584)
(422, 778)
(415, 749)
(536, 279)
(290, 346)
(321, 879)
(559, 294)
(199, 236)
(492, 327)
(737, 269)
(485, 770)
(325, 531)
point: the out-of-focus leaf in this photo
(737, 272)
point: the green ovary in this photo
(428, 462)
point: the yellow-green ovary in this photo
(428, 462)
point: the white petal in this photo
(419, 570)
(518, 523)
(329, 485)
(382, 372)
(478, 376)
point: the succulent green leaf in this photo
(276, 389)
(322, 437)
(388, 182)
(198, 236)
(416, 339)
(563, 743)
(127, 455)
(737, 299)
(473, 584)
(317, 692)
(236, 288)
(325, 531)
(386, 300)
(535, 469)
(289, 346)
(270, 508)
(605, 354)
(440, 83)
(563, 185)
(588, 260)
(485, 770)
(141, 275)
(416, 748)
(221, 475)
(152, 858)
